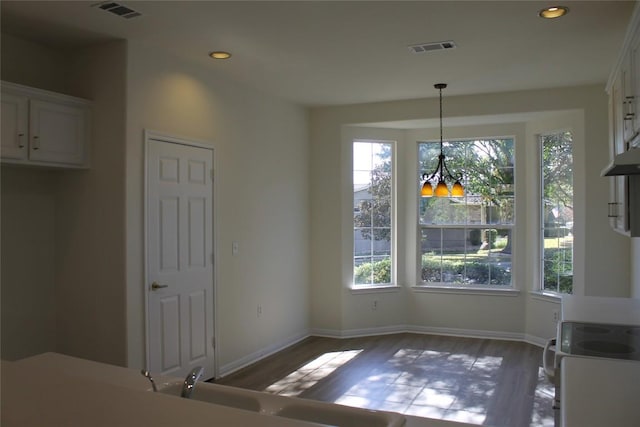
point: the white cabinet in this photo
(44, 128)
(632, 93)
(624, 122)
(618, 206)
(15, 110)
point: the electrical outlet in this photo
(556, 316)
(374, 305)
(259, 311)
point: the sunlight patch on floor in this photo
(424, 383)
(309, 374)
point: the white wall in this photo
(635, 268)
(72, 290)
(603, 258)
(261, 199)
(27, 259)
(35, 65)
(90, 212)
(86, 299)
(28, 213)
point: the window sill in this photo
(546, 296)
(467, 290)
(375, 289)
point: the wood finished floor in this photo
(478, 381)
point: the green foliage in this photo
(468, 273)
(490, 236)
(557, 158)
(381, 273)
(374, 215)
(475, 237)
(558, 276)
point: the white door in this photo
(179, 258)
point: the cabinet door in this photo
(14, 126)
(57, 132)
(627, 99)
(618, 204)
(634, 101)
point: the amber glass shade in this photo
(457, 190)
(427, 189)
(442, 190)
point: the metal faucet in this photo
(148, 375)
(190, 381)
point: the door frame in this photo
(150, 135)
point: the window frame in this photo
(451, 287)
(393, 223)
(540, 286)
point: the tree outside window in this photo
(557, 212)
(372, 212)
(467, 241)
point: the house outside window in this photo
(556, 203)
(373, 208)
(467, 241)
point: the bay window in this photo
(467, 241)
(556, 203)
(373, 210)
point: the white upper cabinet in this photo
(44, 128)
(15, 110)
(633, 103)
(624, 122)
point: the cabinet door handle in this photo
(613, 210)
(36, 142)
(20, 143)
(629, 104)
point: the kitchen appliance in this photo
(626, 163)
(592, 327)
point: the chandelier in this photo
(441, 175)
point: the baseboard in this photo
(532, 339)
(468, 333)
(256, 356)
(364, 332)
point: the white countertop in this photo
(57, 390)
(621, 311)
(599, 392)
(48, 392)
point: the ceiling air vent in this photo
(118, 9)
(428, 47)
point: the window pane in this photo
(502, 210)
(431, 254)
(471, 245)
(372, 210)
(557, 212)
(466, 256)
(443, 210)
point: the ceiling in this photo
(317, 53)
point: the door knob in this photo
(155, 286)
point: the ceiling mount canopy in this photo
(441, 175)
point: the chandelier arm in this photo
(436, 172)
(449, 175)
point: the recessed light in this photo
(553, 12)
(218, 54)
